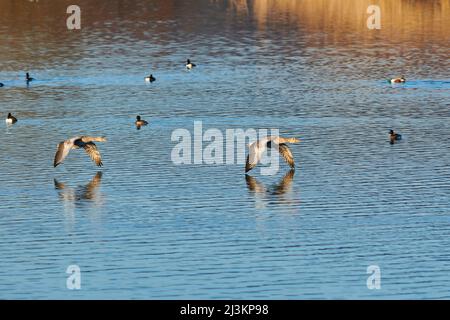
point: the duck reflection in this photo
(86, 192)
(276, 193)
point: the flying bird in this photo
(84, 142)
(10, 119)
(190, 65)
(257, 148)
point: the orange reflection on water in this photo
(402, 20)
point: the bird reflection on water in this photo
(79, 197)
(274, 193)
(80, 193)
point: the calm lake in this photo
(142, 227)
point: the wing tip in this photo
(248, 166)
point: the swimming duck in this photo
(150, 78)
(1, 84)
(190, 65)
(256, 149)
(84, 142)
(28, 78)
(398, 80)
(10, 119)
(139, 122)
(394, 136)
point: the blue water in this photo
(144, 228)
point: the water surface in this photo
(144, 228)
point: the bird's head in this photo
(138, 118)
(391, 131)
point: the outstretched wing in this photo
(255, 151)
(250, 163)
(254, 154)
(284, 150)
(62, 151)
(94, 154)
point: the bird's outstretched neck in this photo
(289, 140)
(89, 139)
